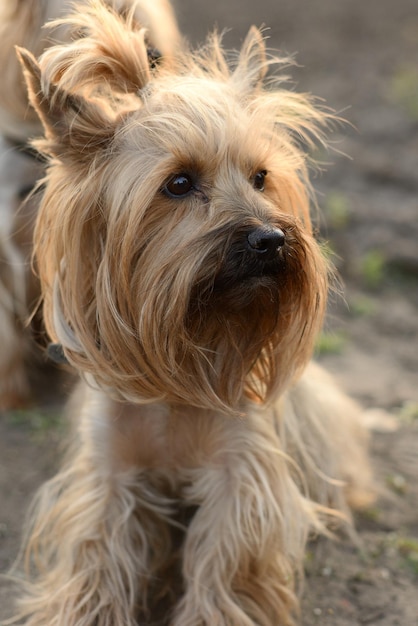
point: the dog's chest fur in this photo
(158, 436)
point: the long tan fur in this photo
(202, 459)
(22, 23)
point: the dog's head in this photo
(174, 241)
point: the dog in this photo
(181, 278)
(21, 23)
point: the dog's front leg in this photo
(246, 540)
(98, 534)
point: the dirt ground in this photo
(361, 57)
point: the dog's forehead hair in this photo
(199, 123)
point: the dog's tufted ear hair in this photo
(109, 51)
(252, 63)
(72, 123)
(75, 86)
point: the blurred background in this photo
(361, 58)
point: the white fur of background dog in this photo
(207, 449)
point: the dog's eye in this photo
(179, 185)
(258, 180)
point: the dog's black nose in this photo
(266, 241)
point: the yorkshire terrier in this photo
(181, 278)
(21, 23)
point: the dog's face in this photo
(174, 242)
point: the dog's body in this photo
(180, 274)
(185, 512)
(18, 173)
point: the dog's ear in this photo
(108, 52)
(252, 64)
(80, 89)
(71, 122)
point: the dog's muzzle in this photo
(252, 254)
